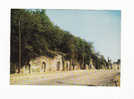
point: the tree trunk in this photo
(63, 63)
(83, 63)
(70, 64)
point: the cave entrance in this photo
(44, 66)
(58, 66)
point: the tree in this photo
(118, 61)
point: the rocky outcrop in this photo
(48, 64)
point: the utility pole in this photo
(19, 45)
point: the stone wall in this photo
(47, 64)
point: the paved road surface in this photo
(81, 77)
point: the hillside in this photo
(33, 35)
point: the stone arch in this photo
(90, 66)
(63, 66)
(58, 66)
(44, 66)
(29, 68)
(67, 66)
(118, 67)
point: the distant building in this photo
(116, 66)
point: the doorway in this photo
(58, 66)
(44, 66)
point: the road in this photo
(80, 77)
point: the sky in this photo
(102, 27)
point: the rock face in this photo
(47, 64)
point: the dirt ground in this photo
(79, 77)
